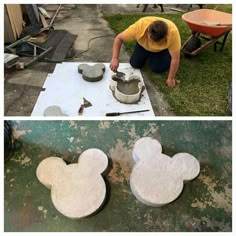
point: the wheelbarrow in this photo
(209, 25)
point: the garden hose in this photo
(79, 53)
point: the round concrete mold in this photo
(156, 178)
(77, 190)
(127, 90)
(91, 73)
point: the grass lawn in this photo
(204, 79)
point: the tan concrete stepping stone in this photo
(91, 73)
(127, 90)
(156, 178)
(77, 190)
(53, 111)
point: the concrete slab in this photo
(93, 33)
(27, 77)
(20, 99)
(77, 190)
(151, 9)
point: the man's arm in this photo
(174, 66)
(114, 64)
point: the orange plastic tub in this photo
(209, 22)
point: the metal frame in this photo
(26, 40)
(210, 40)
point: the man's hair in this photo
(158, 30)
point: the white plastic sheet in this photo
(66, 88)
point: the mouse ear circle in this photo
(49, 170)
(187, 166)
(146, 147)
(93, 160)
(82, 67)
(100, 67)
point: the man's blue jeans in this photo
(158, 61)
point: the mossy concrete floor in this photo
(204, 205)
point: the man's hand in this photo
(170, 83)
(114, 64)
(174, 65)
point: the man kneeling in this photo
(158, 43)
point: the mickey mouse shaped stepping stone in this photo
(77, 190)
(156, 178)
(91, 73)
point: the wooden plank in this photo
(8, 32)
(15, 16)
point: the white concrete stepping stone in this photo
(77, 190)
(156, 178)
(91, 73)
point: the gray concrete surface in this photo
(21, 88)
(205, 205)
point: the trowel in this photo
(83, 105)
(120, 74)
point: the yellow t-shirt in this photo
(138, 32)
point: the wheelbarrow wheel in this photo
(193, 44)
